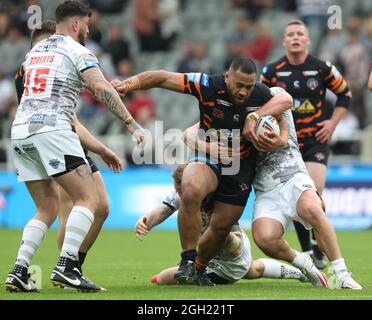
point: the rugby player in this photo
(225, 102)
(306, 79)
(47, 153)
(88, 141)
(284, 193)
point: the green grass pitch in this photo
(124, 265)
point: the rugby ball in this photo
(267, 124)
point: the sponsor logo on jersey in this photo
(312, 83)
(205, 80)
(194, 77)
(90, 61)
(243, 186)
(319, 156)
(296, 84)
(38, 117)
(236, 117)
(54, 163)
(303, 106)
(218, 113)
(28, 147)
(224, 103)
(310, 72)
(283, 73)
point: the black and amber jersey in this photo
(19, 83)
(307, 83)
(217, 110)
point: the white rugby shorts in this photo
(42, 155)
(281, 203)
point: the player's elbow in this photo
(286, 100)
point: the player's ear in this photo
(75, 25)
(226, 76)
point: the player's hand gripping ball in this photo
(266, 126)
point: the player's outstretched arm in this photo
(156, 216)
(149, 79)
(105, 93)
(92, 144)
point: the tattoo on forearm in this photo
(165, 212)
(108, 95)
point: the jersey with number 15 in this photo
(52, 84)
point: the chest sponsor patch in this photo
(303, 106)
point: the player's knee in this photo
(192, 193)
(264, 241)
(311, 212)
(102, 211)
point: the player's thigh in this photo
(79, 184)
(317, 172)
(224, 215)
(45, 194)
(198, 179)
(103, 203)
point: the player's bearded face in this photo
(296, 39)
(83, 31)
(239, 86)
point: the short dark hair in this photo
(295, 22)
(47, 27)
(244, 65)
(70, 9)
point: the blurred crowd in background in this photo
(131, 36)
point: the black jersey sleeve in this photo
(262, 93)
(197, 84)
(19, 83)
(268, 75)
(335, 82)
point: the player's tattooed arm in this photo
(152, 219)
(149, 79)
(96, 83)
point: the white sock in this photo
(300, 259)
(77, 228)
(33, 234)
(278, 270)
(338, 266)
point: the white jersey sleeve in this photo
(173, 201)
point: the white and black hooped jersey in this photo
(52, 85)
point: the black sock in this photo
(303, 236)
(189, 255)
(316, 250)
(82, 256)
